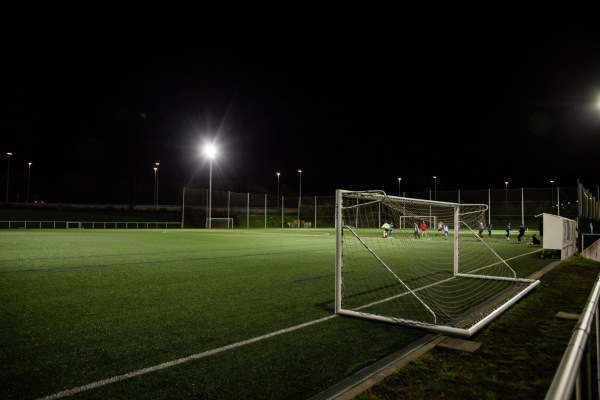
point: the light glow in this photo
(210, 151)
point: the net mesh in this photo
(421, 276)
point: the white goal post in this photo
(219, 223)
(453, 284)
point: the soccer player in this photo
(386, 229)
(521, 233)
(423, 229)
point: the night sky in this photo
(354, 103)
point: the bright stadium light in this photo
(399, 182)
(210, 151)
(435, 187)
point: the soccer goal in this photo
(453, 284)
(226, 223)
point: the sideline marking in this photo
(169, 364)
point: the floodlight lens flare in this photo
(210, 150)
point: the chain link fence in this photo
(516, 206)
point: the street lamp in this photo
(156, 185)
(552, 182)
(435, 187)
(506, 197)
(7, 175)
(28, 175)
(278, 174)
(210, 152)
(399, 191)
(299, 196)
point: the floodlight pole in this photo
(299, 196)
(506, 197)
(552, 182)
(156, 185)
(7, 175)
(210, 151)
(210, 195)
(435, 187)
(278, 174)
(28, 175)
(399, 191)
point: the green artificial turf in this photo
(184, 313)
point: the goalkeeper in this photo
(386, 229)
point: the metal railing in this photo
(574, 371)
(88, 225)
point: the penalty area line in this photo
(119, 378)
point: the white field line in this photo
(257, 234)
(118, 378)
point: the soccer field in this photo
(183, 314)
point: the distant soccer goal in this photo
(454, 284)
(226, 223)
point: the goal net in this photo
(407, 221)
(453, 282)
(200, 204)
(219, 223)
